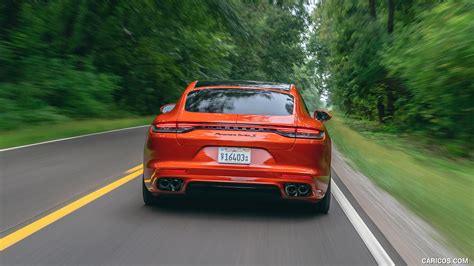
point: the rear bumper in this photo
(254, 180)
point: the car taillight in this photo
(289, 132)
(301, 133)
(164, 128)
(170, 128)
(171, 171)
(306, 133)
(286, 132)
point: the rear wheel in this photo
(323, 205)
(148, 198)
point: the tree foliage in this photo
(66, 59)
(408, 64)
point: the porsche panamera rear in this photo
(226, 136)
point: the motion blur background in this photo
(398, 75)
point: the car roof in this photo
(243, 83)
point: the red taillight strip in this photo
(295, 176)
(163, 128)
(171, 171)
(169, 128)
(289, 132)
(309, 133)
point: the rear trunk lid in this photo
(253, 131)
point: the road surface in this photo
(116, 228)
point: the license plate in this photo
(234, 155)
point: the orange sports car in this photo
(253, 137)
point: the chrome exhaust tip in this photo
(170, 184)
(291, 190)
(303, 190)
(176, 184)
(164, 184)
(297, 189)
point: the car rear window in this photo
(239, 101)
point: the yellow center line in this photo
(131, 170)
(41, 223)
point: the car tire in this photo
(323, 205)
(148, 198)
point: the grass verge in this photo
(45, 132)
(438, 189)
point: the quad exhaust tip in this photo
(297, 189)
(291, 190)
(170, 184)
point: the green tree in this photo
(407, 63)
(66, 59)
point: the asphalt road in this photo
(118, 229)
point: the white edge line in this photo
(75, 137)
(375, 248)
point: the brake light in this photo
(302, 133)
(289, 132)
(164, 128)
(295, 176)
(171, 171)
(306, 133)
(171, 128)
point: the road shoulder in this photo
(409, 235)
